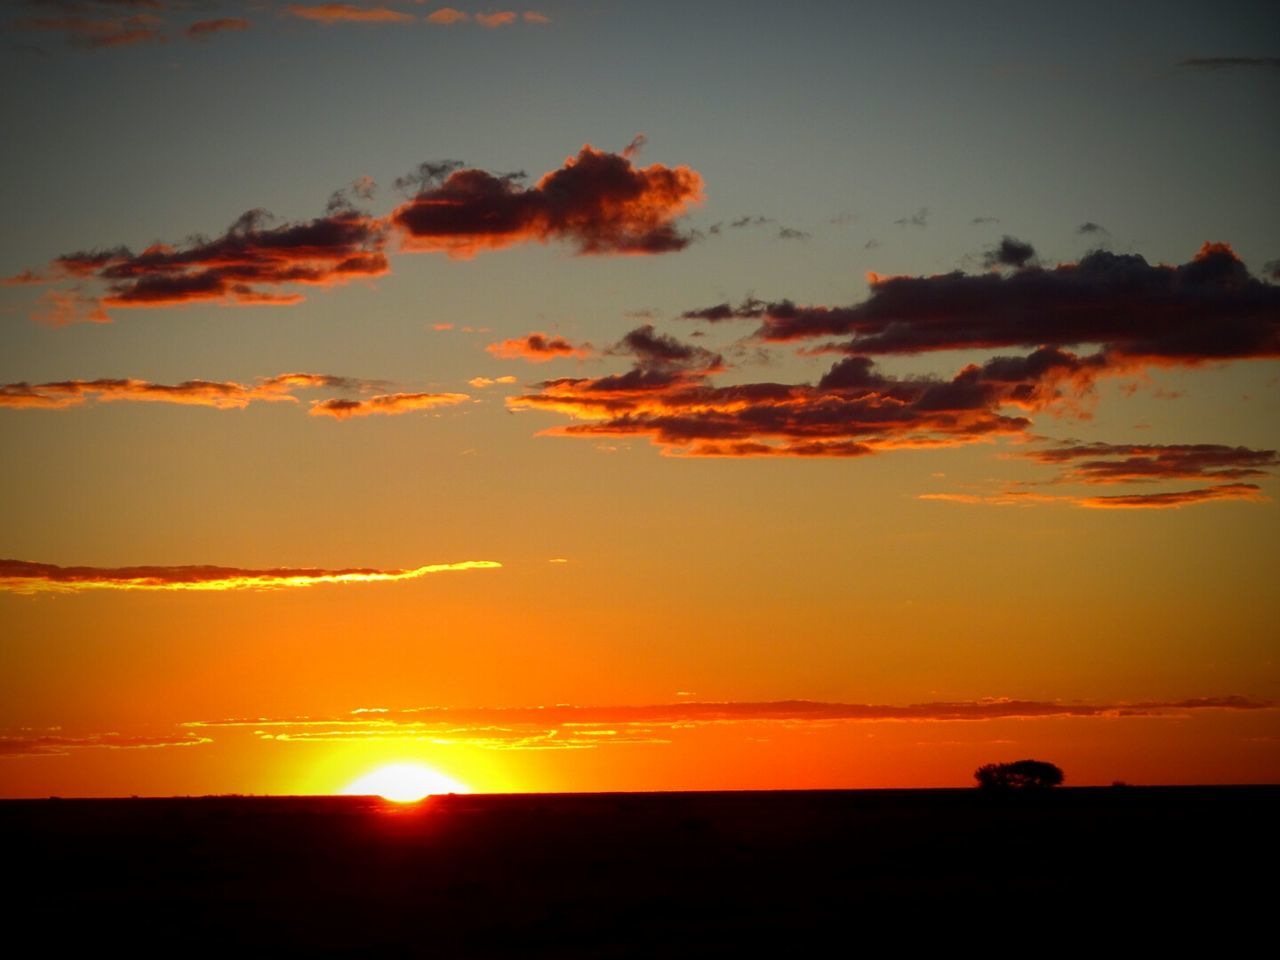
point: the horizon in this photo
(581, 398)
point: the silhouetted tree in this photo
(1019, 775)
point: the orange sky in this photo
(699, 426)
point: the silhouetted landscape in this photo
(605, 875)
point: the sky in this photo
(617, 396)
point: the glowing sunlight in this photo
(403, 783)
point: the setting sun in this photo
(403, 783)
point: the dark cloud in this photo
(243, 266)
(21, 576)
(1231, 63)
(748, 309)
(918, 219)
(853, 411)
(981, 220)
(1142, 463)
(1090, 227)
(207, 28)
(95, 32)
(654, 350)
(598, 201)
(789, 233)
(1009, 252)
(1210, 308)
(427, 176)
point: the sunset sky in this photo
(637, 396)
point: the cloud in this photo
(1095, 463)
(49, 745)
(533, 16)
(1231, 63)
(481, 382)
(658, 351)
(391, 404)
(1089, 227)
(1009, 252)
(918, 219)
(538, 348)
(99, 32)
(220, 394)
(1170, 500)
(854, 410)
(21, 576)
(1174, 499)
(1210, 308)
(207, 28)
(246, 265)
(347, 13)
(749, 309)
(598, 201)
(447, 16)
(585, 727)
(790, 233)
(493, 20)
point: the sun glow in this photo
(403, 783)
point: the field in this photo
(601, 875)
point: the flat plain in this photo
(659, 874)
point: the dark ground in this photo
(614, 875)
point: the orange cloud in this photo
(220, 394)
(1170, 500)
(538, 348)
(391, 404)
(598, 201)
(564, 726)
(481, 382)
(98, 32)
(447, 16)
(1177, 498)
(532, 16)
(42, 745)
(347, 13)
(853, 411)
(493, 20)
(21, 576)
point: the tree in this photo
(1019, 775)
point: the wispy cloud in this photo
(54, 745)
(587, 727)
(388, 405)
(1231, 63)
(21, 576)
(219, 394)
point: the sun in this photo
(403, 783)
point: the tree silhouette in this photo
(1019, 775)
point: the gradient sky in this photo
(885, 390)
